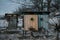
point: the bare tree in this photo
(22, 3)
(37, 5)
(41, 5)
(54, 5)
(25, 5)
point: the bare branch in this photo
(29, 4)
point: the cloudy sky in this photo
(6, 6)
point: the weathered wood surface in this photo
(28, 23)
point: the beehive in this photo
(12, 20)
(43, 21)
(30, 21)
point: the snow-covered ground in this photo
(16, 37)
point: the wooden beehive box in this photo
(12, 20)
(34, 20)
(43, 20)
(30, 21)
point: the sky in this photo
(6, 6)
